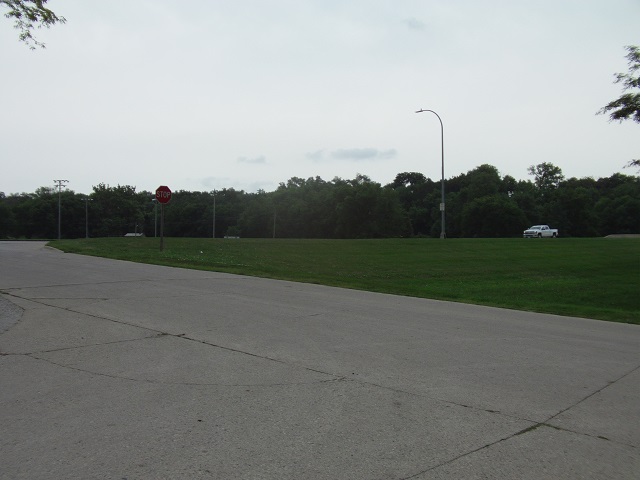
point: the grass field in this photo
(593, 278)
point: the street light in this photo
(60, 184)
(442, 231)
(214, 215)
(155, 220)
(86, 215)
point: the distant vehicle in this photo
(539, 231)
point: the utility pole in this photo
(214, 215)
(442, 228)
(60, 184)
(155, 221)
(86, 215)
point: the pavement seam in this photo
(263, 357)
(184, 384)
(157, 334)
(88, 345)
(92, 315)
(609, 384)
(524, 431)
(471, 452)
(339, 377)
(587, 397)
(111, 282)
(535, 426)
(179, 335)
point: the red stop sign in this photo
(163, 194)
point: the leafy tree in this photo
(305, 208)
(526, 197)
(492, 216)
(627, 106)
(546, 175)
(572, 208)
(509, 185)
(414, 192)
(367, 210)
(479, 203)
(619, 215)
(7, 222)
(39, 214)
(119, 210)
(30, 13)
(189, 214)
(618, 206)
(483, 181)
(229, 206)
(256, 219)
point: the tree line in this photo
(479, 203)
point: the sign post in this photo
(163, 195)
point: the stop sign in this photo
(163, 194)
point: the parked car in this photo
(540, 231)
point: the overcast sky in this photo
(209, 94)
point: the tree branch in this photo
(30, 14)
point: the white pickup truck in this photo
(539, 231)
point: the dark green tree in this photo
(367, 210)
(229, 206)
(7, 224)
(492, 216)
(462, 190)
(571, 208)
(189, 214)
(257, 217)
(526, 197)
(38, 214)
(627, 106)
(28, 14)
(617, 209)
(304, 208)
(414, 192)
(119, 210)
(547, 176)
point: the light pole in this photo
(214, 215)
(442, 231)
(60, 184)
(155, 220)
(86, 215)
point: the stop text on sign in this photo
(163, 194)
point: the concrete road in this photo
(115, 370)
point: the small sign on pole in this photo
(163, 196)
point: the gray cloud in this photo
(213, 182)
(414, 24)
(387, 154)
(358, 154)
(254, 160)
(316, 156)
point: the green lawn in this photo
(594, 278)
